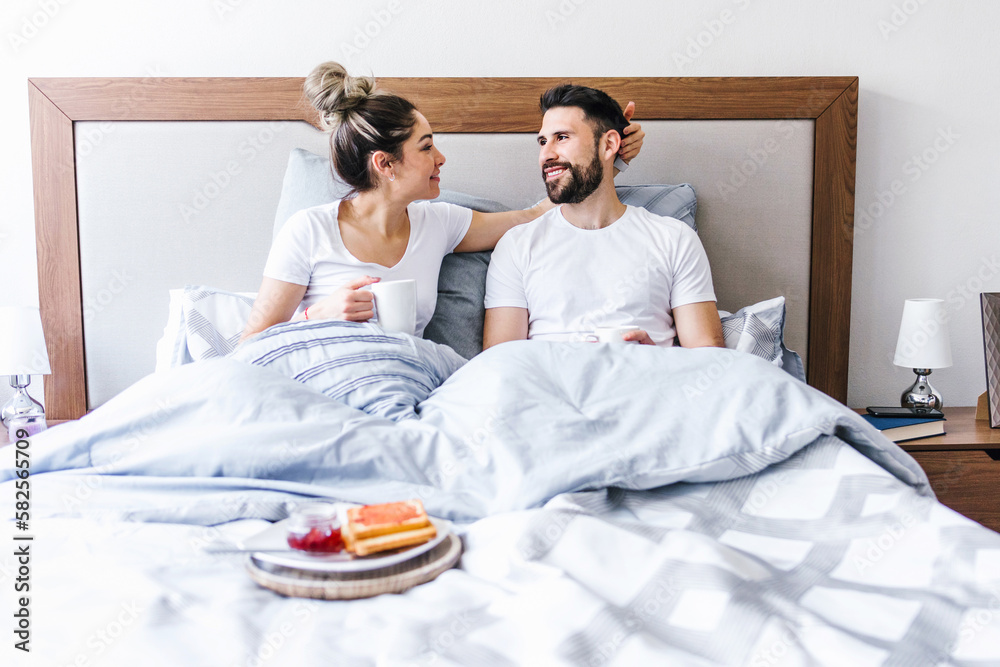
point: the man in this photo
(595, 262)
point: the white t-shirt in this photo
(572, 280)
(310, 251)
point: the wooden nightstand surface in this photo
(962, 431)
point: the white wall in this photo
(929, 87)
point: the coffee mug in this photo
(396, 305)
(613, 334)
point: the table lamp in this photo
(923, 344)
(22, 354)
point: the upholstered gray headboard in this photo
(168, 204)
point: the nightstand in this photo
(963, 465)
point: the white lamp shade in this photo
(22, 344)
(923, 340)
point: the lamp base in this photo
(921, 394)
(22, 411)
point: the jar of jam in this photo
(315, 528)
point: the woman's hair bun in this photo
(335, 93)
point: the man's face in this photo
(567, 153)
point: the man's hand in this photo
(634, 134)
(638, 336)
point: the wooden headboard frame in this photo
(451, 105)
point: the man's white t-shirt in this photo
(572, 280)
(310, 251)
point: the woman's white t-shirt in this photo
(310, 251)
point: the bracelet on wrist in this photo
(306, 312)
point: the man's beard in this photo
(581, 184)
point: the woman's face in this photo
(418, 174)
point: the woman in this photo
(384, 149)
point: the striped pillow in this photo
(759, 329)
(385, 374)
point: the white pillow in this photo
(203, 323)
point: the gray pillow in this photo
(671, 201)
(309, 181)
(458, 316)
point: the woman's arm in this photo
(487, 228)
(276, 302)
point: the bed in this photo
(616, 505)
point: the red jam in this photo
(370, 515)
(317, 540)
(314, 527)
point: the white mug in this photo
(613, 334)
(396, 305)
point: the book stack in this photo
(899, 429)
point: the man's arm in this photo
(504, 324)
(698, 325)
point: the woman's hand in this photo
(634, 134)
(350, 303)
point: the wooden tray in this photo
(352, 585)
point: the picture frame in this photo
(990, 302)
